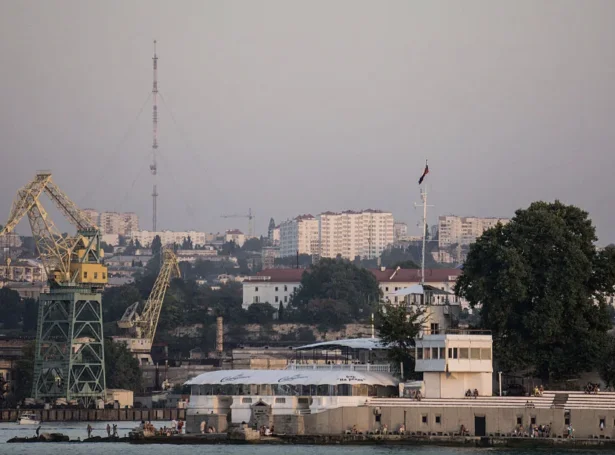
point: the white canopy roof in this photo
(414, 289)
(307, 377)
(352, 343)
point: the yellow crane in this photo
(69, 357)
(142, 325)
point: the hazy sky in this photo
(290, 107)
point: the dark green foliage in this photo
(115, 300)
(253, 244)
(305, 260)
(260, 313)
(156, 245)
(187, 244)
(406, 265)
(540, 284)
(398, 326)
(10, 308)
(606, 366)
(30, 315)
(25, 370)
(121, 367)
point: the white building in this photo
(235, 235)
(463, 230)
(400, 231)
(299, 235)
(350, 234)
(146, 238)
(275, 236)
(269, 254)
(114, 222)
(277, 285)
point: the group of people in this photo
(592, 388)
(114, 430)
(538, 391)
(207, 429)
(266, 431)
(416, 395)
(470, 393)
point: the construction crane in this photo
(69, 359)
(142, 326)
(250, 218)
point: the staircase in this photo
(560, 400)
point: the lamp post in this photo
(500, 381)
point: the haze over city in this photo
(301, 107)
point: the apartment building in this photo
(299, 235)
(463, 230)
(236, 236)
(146, 238)
(350, 234)
(400, 231)
(114, 222)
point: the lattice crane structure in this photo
(142, 325)
(69, 358)
(249, 216)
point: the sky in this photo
(289, 107)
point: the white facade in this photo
(463, 230)
(299, 235)
(350, 234)
(146, 238)
(235, 235)
(114, 222)
(453, 363)
(400, 231)
(259, 289)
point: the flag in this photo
(425, 172)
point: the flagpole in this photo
(424, 223)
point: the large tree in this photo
(540, 282)
(398, 327)
(121, 368)
(10, 308)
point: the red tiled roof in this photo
(386, 276)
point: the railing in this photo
(456, 332)
(381, 368)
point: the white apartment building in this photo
(400, 231)
(146, 238)
(235, 235)
(463, 230)
(350, 234)
(114, 222)
(299, 235)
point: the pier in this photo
(93, 415)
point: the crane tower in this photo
(69, 359)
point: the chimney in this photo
(219, 335)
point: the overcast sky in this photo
(290, 107)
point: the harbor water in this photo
(79, 430)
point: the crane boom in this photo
(143, 325)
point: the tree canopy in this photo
(10, 308)
(121, 368)
(398, 326)
(539, 282)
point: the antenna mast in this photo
(424, 221)
(153, 167)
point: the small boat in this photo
(28, 418)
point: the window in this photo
(485, 354)
(285, 288)
(427, 353)
(533, 420)
(442, 353)
(419, 353)
(435, 328)
(276, 289)
(246, 400)
(386, 289)
(277, 298)
(95, 275)
(567, 418)
(602, 423)
(280, 400)
(463, 353)
(452, 353)
(519, 420)
(255, 299)
(434, 353)
(285, 298)
(104, 276)
(475, 353)
(256, 289)
(438, 419)
(85, 274)
(424, 418)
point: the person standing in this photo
(108, 430)
(38, 430)
(115, 430)
(89, 431)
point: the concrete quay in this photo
(96, 415)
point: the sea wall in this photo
(83, 415)
(447, 421)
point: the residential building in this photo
(235, 235)
(93, 215)
(24, 270)
(400, 231)
(275, 236)
(114, 222)
(299, 236)
(463, 230)
(146, 238)
(269, 254)
(350, 234)
(277, 285)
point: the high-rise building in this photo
(299, 236)
(113, 222)
(350, 234)
(93, 215)
(457, 230)
(400, 231)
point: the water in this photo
(78, 430)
